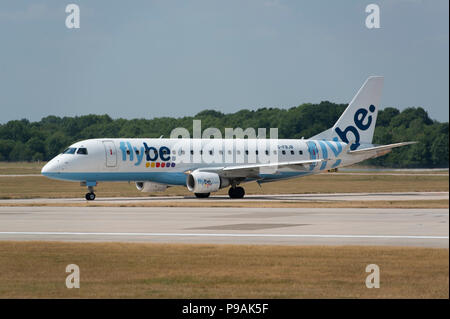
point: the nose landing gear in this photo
(91, 194)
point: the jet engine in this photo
(205, 182)
(148, 187)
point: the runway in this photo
(284, 226)
(400, 196)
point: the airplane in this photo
(156, 164)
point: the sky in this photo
(146, 59)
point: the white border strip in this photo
(223, 235)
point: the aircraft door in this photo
(111, 154)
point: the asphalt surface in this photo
(285, 226)
(248, 198)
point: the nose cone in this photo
(51, 168)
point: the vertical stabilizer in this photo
(357, 123)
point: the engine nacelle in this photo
(148, 187)
(205, 182)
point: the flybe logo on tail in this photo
(361, 123)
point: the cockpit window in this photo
(82, 151)
(70, 150)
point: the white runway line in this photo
(224, 235)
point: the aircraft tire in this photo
(90, 196)
(236, 192)
(202, 195)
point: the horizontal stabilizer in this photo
(379, 150)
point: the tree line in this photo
(22, 140)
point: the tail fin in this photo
(359, 117)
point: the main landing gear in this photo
(236, 192)
(202, 195)
(233, 192)
(91, 194)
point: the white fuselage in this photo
(166, 161)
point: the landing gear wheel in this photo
(90, 196)
(236, 192)
(202, 195)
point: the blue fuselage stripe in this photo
(170, 178)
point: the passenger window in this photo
(283, 152)
(82, 151)
(267, 152)
(137, 152)
(292, 152)
(300, 152)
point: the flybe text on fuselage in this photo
(151, 153)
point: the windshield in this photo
(70, 150)
(82, 151)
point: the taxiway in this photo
(284, 226)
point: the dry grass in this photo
(119, 270)
(41, 187)
(8, 168)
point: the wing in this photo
(254, 170)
